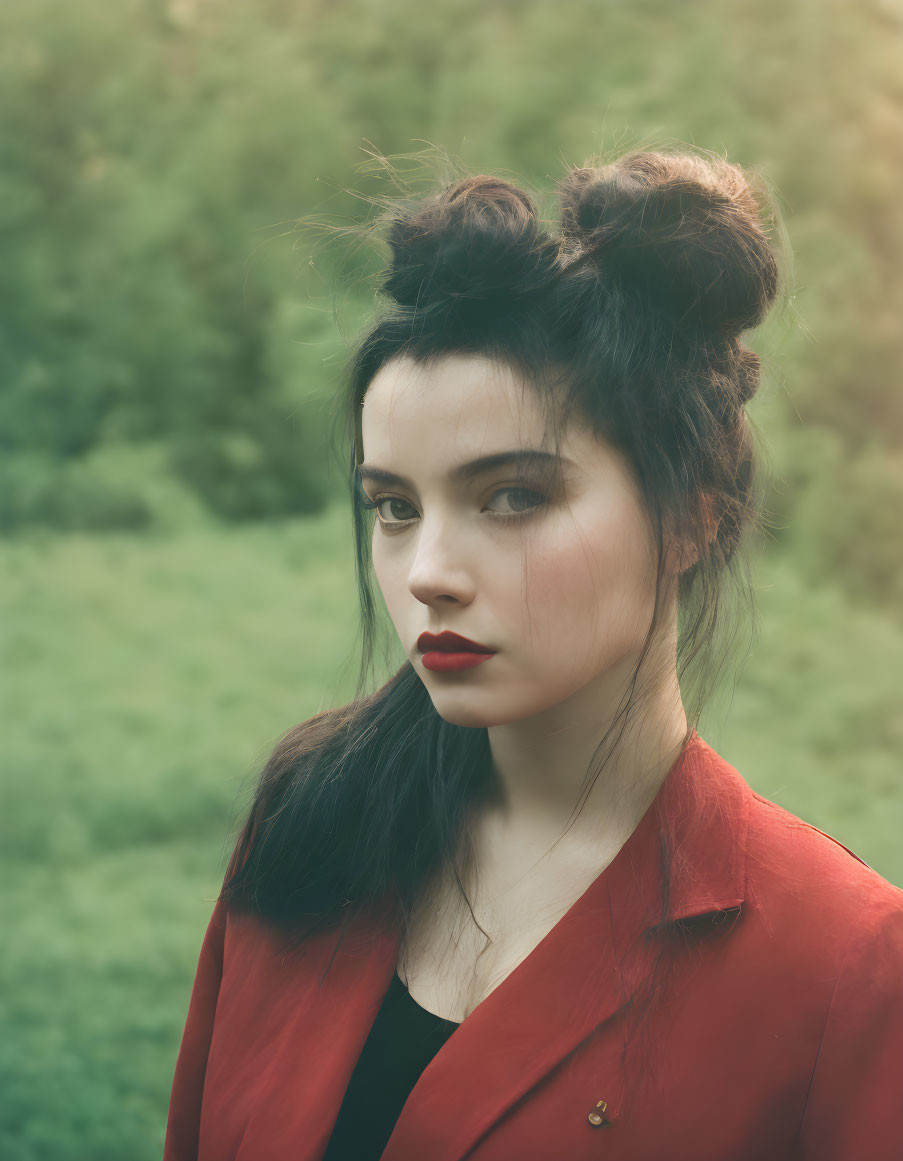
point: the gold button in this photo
(597, 1119)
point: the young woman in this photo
(511, 905)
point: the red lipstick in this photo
(448, 651)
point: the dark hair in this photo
(627, 314)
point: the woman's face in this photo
(560, 585)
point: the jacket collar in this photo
(705, 802)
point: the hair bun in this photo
(479, 239)
(685, 231)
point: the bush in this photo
(838, 512)
(91, 493)
(267, 470)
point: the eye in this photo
(521, 500)
(388, 501)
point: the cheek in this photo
(591, 585)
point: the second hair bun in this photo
(684, 231)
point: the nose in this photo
(440, 572)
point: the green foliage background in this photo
(176, 564)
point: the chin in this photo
(457, 712)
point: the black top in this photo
(403, 1040)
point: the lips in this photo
(448, 642)
(450, 652)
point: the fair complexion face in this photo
(561, 585)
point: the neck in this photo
(541, 763)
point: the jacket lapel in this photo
(554, 999)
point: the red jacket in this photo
(776, 1030)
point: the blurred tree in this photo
(137, 301)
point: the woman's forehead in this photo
(463, 405)
(460, 398)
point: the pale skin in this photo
(564, 592)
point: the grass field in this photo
(144, 682)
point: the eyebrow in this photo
(521, 457)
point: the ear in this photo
(682, 554)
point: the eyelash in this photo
(505, 517)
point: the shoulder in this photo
(791, 859)
(826, 942)
(806, 897)
(783, 868)
(819, 903)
